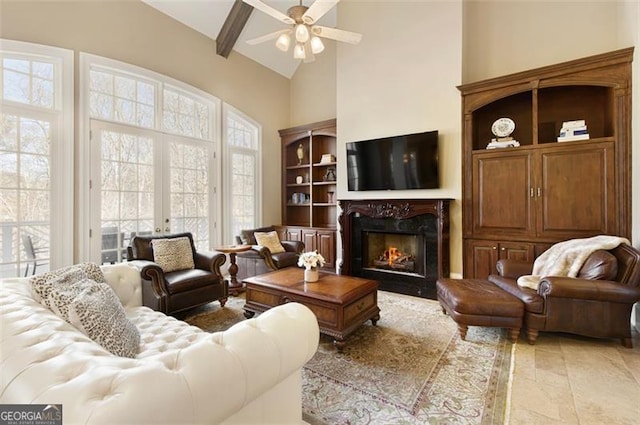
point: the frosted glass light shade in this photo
(302, 33)
(298, 51)
(316, 45)
(283, 42)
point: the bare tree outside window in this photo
(25, 162)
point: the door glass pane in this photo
(242, 169)
(189, 190)
(25, 206)
(242, 192)
(127, 191)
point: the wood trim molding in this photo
(232, 27)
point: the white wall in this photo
(502, 37)
(313, 88)
(402, 79)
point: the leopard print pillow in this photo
(96, 311)
(41, 284)
(92, 307)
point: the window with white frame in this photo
(122, 98)
(242, 159)
(36, 158)
(152, 158)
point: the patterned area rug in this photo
(412, 368)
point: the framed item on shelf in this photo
(330, 175)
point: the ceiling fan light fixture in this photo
(302, 33)
(317, 46)
(283, 42)
(298, 51)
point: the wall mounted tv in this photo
(394, 163)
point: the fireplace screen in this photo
(394, 252)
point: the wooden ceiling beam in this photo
(232, 27)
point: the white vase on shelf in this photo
(311, 275)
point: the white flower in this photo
(310, 260)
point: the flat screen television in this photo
(394, 163)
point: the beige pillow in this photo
(173, 254)
(270, 240)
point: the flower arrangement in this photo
(310, 260)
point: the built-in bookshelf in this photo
(309, 187)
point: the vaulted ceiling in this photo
(209, 16)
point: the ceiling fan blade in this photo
(268, 37)
(265, 8)
(318, 10)
(336, 34)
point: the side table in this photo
(235, 287)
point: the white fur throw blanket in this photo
(566, 258)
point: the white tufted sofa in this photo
(249, 374)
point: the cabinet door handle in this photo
(539, 192)
(495, 247)
(502, 249)
(531, 192)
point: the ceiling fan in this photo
(301, 21)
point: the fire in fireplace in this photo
(393, 252)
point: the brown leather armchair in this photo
(596, 303)
(181, 289)
(259, 259)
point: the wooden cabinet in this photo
(561, 192)
(485, 254)
(309, 202)
(321, 239)
(545, 191)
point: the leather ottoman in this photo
(477, 302)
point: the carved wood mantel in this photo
(397, 209)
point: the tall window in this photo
(242, 158)
(153, 168)
(36, 158)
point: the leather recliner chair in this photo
(259, 259)
(181, 289)
(591, 304)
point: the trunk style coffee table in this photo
(340, 303)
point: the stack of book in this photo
(573, 130)
(503, 142)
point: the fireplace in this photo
(403, 244)
(392, 252)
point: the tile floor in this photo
(568, 379)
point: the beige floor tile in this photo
(571, 379)
(530, 398)
(525, 366)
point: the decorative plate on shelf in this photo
(503, 127)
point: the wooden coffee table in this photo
(341, 303)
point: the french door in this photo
(144, 182)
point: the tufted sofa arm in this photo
(124, 279)
(181, 375)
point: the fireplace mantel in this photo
(397, 209)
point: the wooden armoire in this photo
(518, 201)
